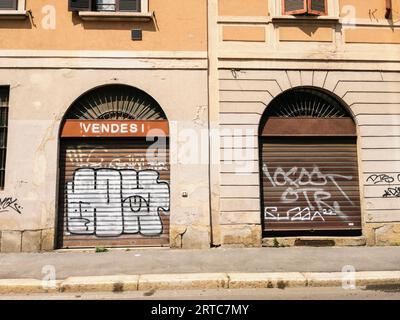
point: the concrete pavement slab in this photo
(220, 260)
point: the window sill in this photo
(13, 14)
(115, 16)
(294, 19)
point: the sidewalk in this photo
(220, 268)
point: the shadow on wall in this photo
(308, 29)
(114, 25)
(16, 24)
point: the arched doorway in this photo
(309, 166)
(114, 171)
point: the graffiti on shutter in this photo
(116, 189)
(310, 181)
(114, 170)
(111, 202)
(308, 168)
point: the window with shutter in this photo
(8, 4)
(299, 7)
(128, 5)
(80, 5)
(4, 93)
(317, 7)
(294, 6)
(104, 5)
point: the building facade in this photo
(139, 66)
(314, 87)
(193, 123)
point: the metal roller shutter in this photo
(112, 193)
(310, 183)
(309, 165)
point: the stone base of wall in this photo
(198, 237)
(193, 237)
(279, 242)
(241, 235)
(374, 234)
(189, 237)
(382, 234)
(26, 241)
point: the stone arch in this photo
(114, 170)
(309, 173)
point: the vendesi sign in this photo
(114, 128)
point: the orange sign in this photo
(114, 128)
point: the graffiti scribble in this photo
(301, 183)
(381, 178)
(7, 204)
(111, 202)
(392, 193)
(297, 214)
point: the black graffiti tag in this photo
(392, 193)
(9, 203)
(381, 178)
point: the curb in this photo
(120, 283)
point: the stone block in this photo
(183, 281)
(31, 241)
(266, 280)
(100, 283)
(241, 235)
(11, 241)
(387, 235)
(314, 241)
(190, 237)
(47, 240)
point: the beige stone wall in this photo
(38, 100)
(371, 9)
(238, 8)
(238, 33)
(373, 99)
(350, 26)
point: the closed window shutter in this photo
(79, 5)
(294, 6)
(8, 4)
(129, 5)
(317, 7)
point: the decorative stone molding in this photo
(13, 14)
(116, 16)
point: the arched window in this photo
(114, 170)
(308, 164)
(115, 102)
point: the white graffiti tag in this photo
(110, 202)
(297, 214)
(309, 185)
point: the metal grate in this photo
(4, 96)
(116, 102)
(306, 102)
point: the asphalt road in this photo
(372, 293)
